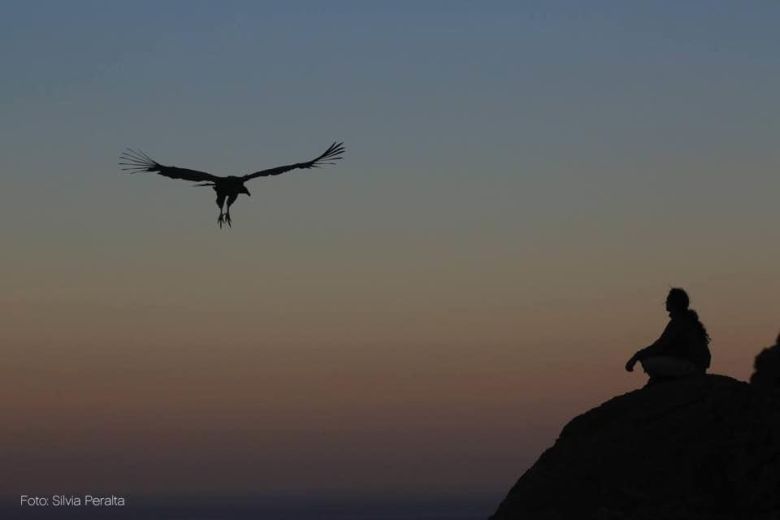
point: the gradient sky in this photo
(522, 184)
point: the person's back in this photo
(694, 343)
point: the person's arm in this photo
(631, 362)
(658, 347)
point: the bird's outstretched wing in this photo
(134, 161)
(329, 156)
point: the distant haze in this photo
(522, 185)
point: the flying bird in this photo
(228, 188)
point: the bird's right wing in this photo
(333, 153)
(134, 161)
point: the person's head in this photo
(677, 301)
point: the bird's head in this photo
(244, 190)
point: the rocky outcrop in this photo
(705, 447)
(767, 368)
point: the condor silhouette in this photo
(228, 188)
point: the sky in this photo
(522, 185)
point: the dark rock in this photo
(767, 368)
(704, 447)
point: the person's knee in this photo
(667, 366)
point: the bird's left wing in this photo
(134, 161)
(333, 153)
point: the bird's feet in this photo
(227, 220)
(221, 220)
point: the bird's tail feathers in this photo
(332, 154)
(134, 161)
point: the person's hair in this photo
(694, 317)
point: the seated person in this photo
(682, 349)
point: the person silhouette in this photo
(683, 348)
